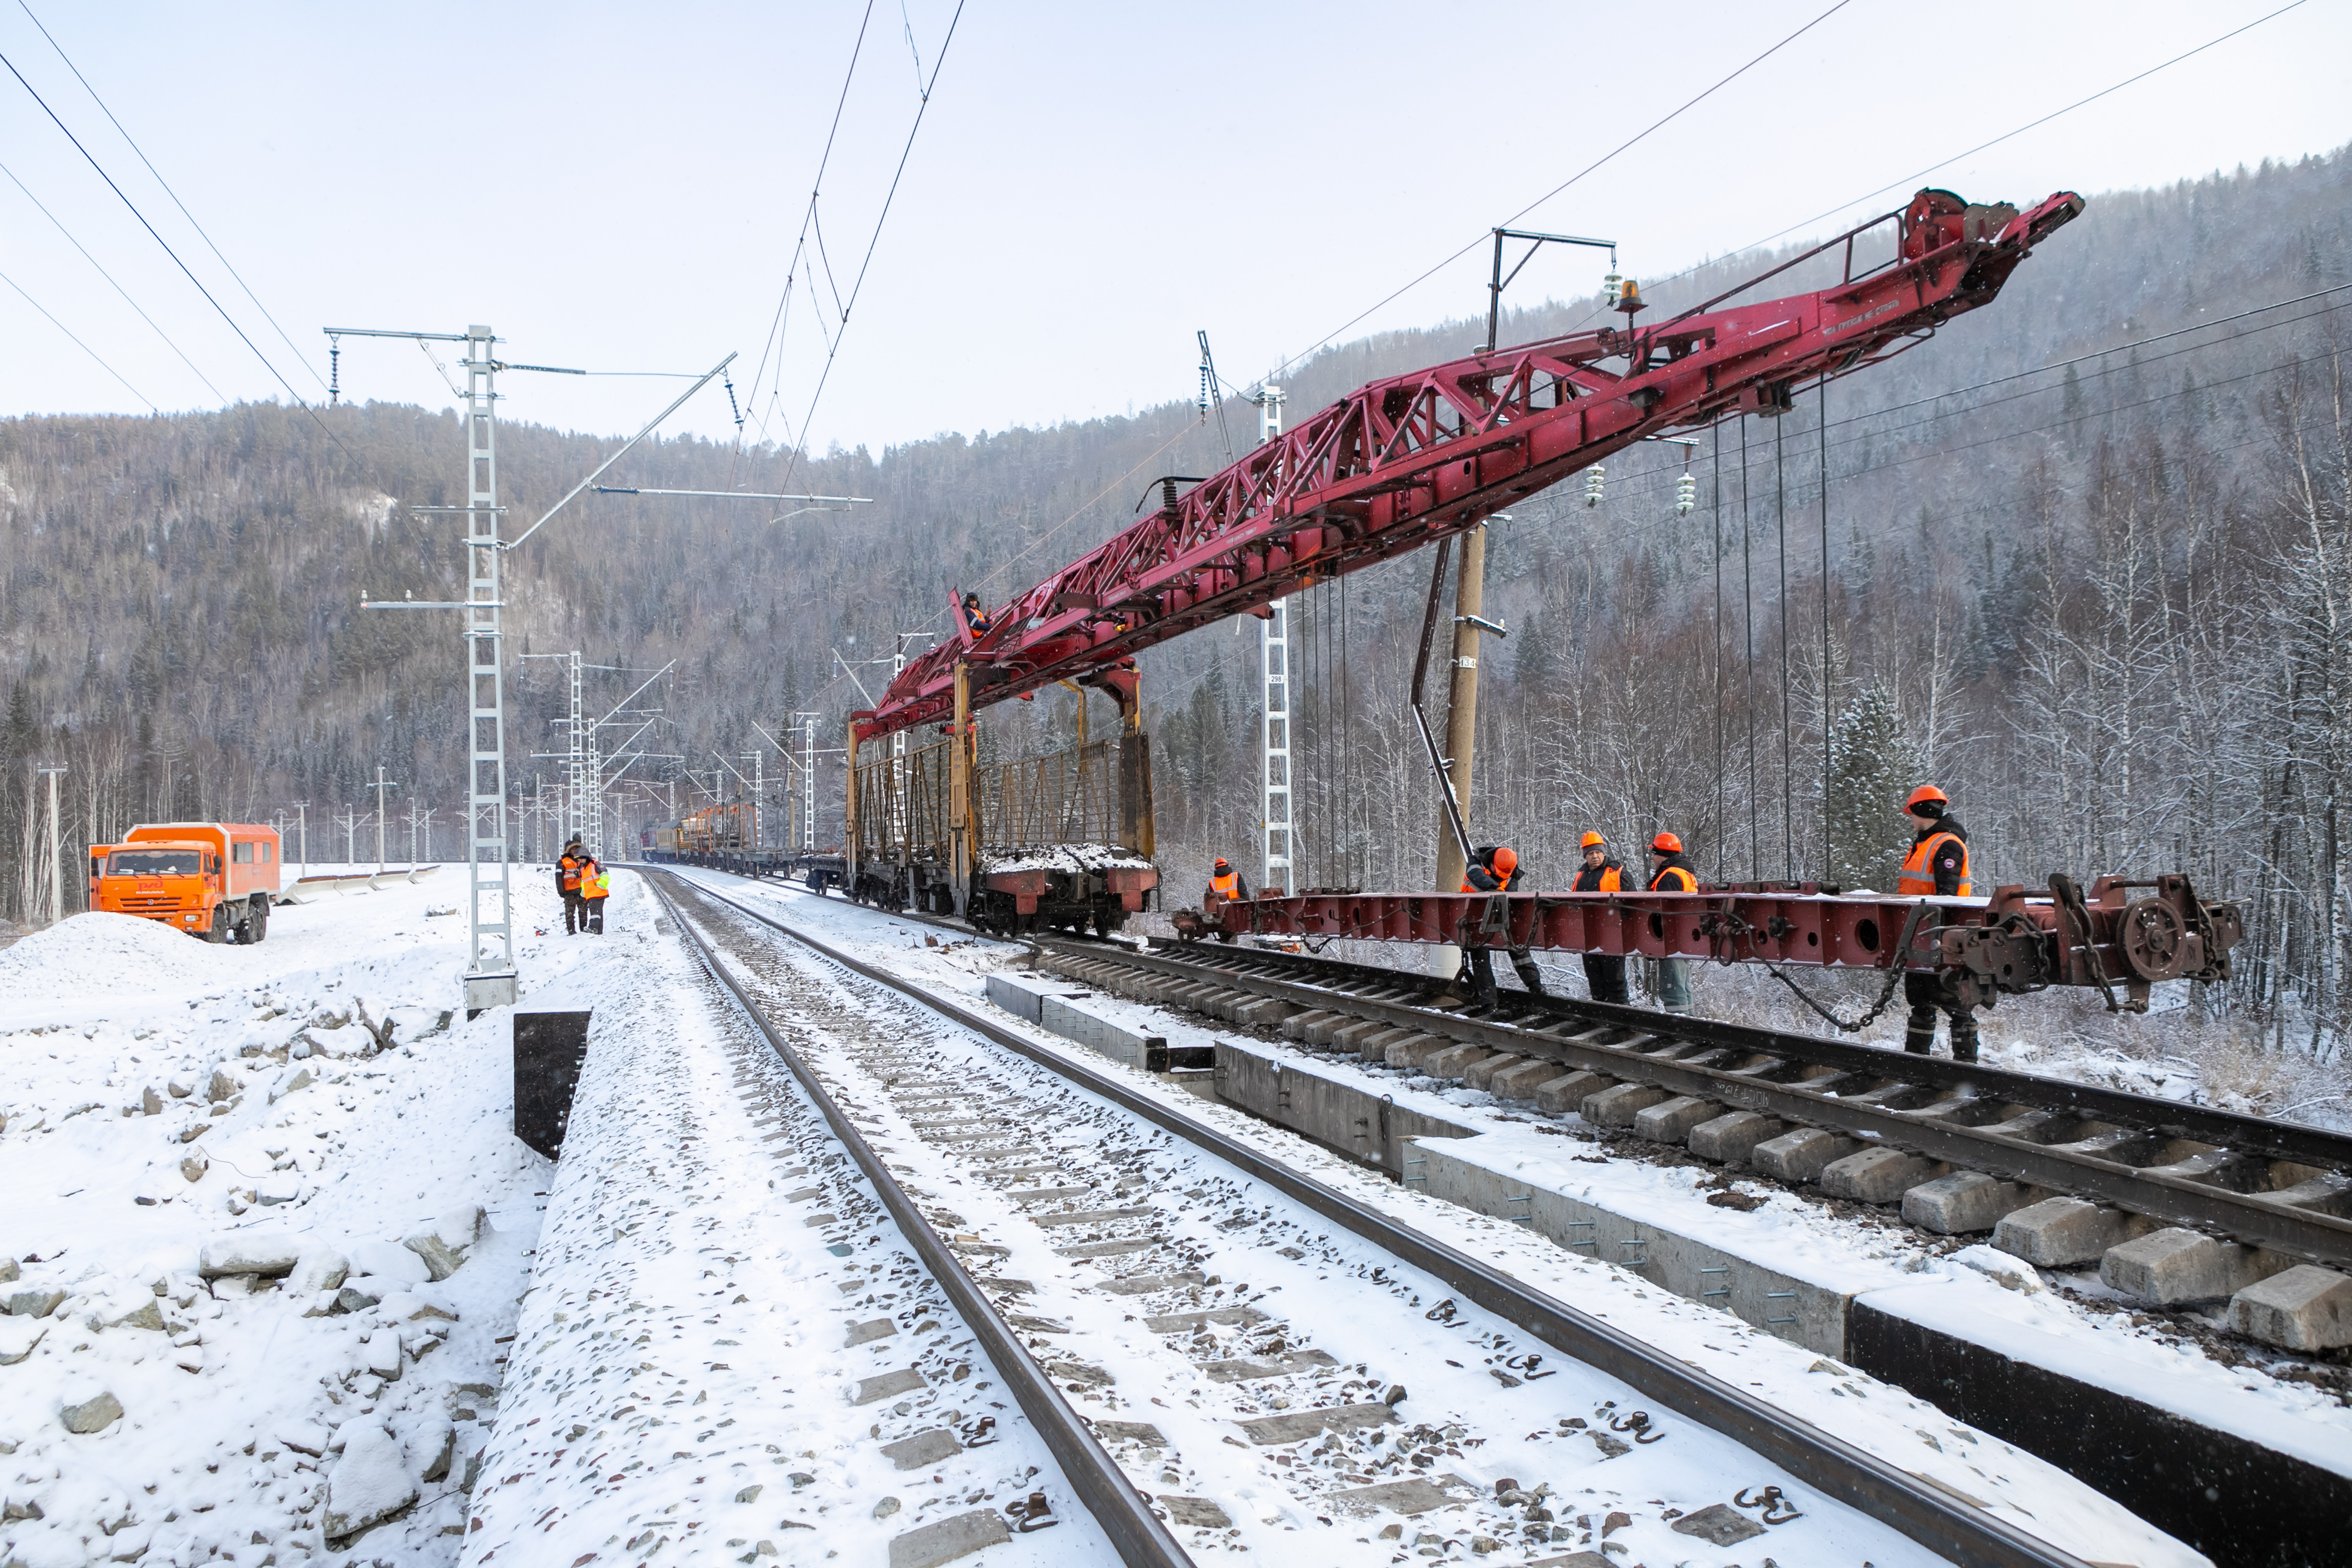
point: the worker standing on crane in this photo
(1669, 872)
(1937, 867)
(596, 886)
(975, 618)
(1492, 870)
(1604, 973)
(567, 883)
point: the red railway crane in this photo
(1416, 459)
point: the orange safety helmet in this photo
(1593, 841)
(1222, 864)
(1667, 844)
(1507, 860)
(1926, 792)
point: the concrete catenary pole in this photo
(1461, 725)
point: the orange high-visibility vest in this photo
(597, 884)
(1918, 878)
(571, 874)
(1683, 881)
(1226, 886)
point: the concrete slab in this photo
(1520, 1081)
(2174, 1267)
(1295, 1026)
(2304, 1308)
(1326, 1103)
(1265, 1012)
(1617, 1107)
(955, 1536)
(2065, 1232)
(1732, 1138)
(1480, 1075)
(1671, 1121)
(1965, 1201)
(1559, 1097)
(1409, 1054)
(1454, 1061)
(1650, 1241)
(1351, 1041)
(1878, 1176)
(1800, 1155)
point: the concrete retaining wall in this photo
(1372, 1127)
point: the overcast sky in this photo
(624, 188)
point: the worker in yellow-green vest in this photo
(596, 886)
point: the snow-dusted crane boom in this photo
(1413, 459)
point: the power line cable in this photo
(825, 374)
(134, 146)
(174, 254)
(1674, 114)
(118, 287)
(782, 323)
(85, 348)
(1898, 185)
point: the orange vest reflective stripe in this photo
(1918, 878)
(1226, 886)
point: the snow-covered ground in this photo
(313, 1102)
(716, 1287)
(1321, 1294)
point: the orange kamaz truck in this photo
(211, 879)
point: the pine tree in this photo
(1873, 766)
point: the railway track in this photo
(1119, 1212)
(1795, 1106)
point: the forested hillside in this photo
(2091, 579)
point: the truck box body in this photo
(206, 878)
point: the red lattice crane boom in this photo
(1413, 459)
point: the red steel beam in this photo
(1413, 459)
(2008, 942)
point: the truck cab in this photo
(211, 879)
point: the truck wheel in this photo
(257, 924)
(218, 930)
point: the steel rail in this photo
(2309, 1233)
(1963, 1534)
(1138, 1536)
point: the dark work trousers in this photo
(592, 916)
(1926, 996)
(576, 914)
(1604, 977)
(1478, 963)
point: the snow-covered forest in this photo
(2085, 568)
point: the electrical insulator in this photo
(1592, 485)
(1686, 495)
(1609, 287)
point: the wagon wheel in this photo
(2153, 939)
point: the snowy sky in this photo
(623, 190)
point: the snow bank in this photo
(102, 954)
(211, 1193)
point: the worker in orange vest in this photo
(1226, 882)
(1937, 867)
(975, 618)
(1495, 869)
(567, 883)
(1669, 872)
(596, 886)
(1604, 973)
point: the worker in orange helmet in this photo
(1670, 872)
(1497, 868)
(1604, 973)
(1226, 882)
(1937, 867)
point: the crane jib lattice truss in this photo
(1410, 460)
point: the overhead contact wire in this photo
(85, 348)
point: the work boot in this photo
(1964, 1037)
(1919, 1036)
(1532, 977)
